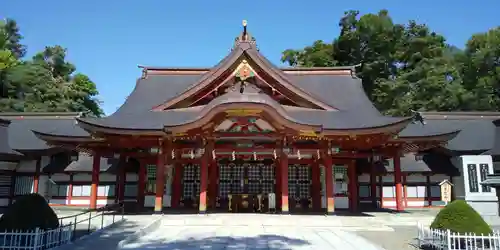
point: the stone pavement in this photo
(250, 237)
(268, 231)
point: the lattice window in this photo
(191, 181)
(151, 178)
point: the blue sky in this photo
(107, 39)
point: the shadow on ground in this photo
(266, 241)
(108, 239)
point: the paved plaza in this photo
(257, 231)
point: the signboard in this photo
(446, 190)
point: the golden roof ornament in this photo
(245, 36)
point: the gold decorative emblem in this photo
(243, 112)
(244, 71)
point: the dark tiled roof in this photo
(6, 152)
(21, 136)
(430, 162)
(326, 119)
(495, 151)
(476, 133)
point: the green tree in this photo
(402, 66)
(13, 38)
(48, 82)
(480, 70)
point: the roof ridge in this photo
(39, 115)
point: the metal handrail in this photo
(102, 211)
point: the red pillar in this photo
(36, 178)
(213, 180)
(330, 202)
(96, 167)
(373, 183)
(177, 185)
(353, 186)
(160, 179)
(70, 190)
(141, 184)
(316, 185)
(397, 182)
(203, 182)
(277, 177)
(284, 183)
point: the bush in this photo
(460, 217)
(27, 213)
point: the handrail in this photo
(117, 207)
(89, 210)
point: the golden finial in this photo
(244, 23)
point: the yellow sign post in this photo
(446, 191)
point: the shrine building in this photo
(242, 136)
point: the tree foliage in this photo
(407, 66)
(460, 217)
(46, 82)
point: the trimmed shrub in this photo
(460, 217)
(27, 213)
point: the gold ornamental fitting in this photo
(244, 22)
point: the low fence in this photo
(70, 228)
(429, 238)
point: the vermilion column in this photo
(212, 166)
(96, 167)
(277, 178)
(373, 183)
(36, 178)
(353, 186)
(397, 182)
(160, 179)
(141, 184)
(70, 190)
(330, 202)
(316, 185)
(284, 183)
(203, 182)
(176, 185)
